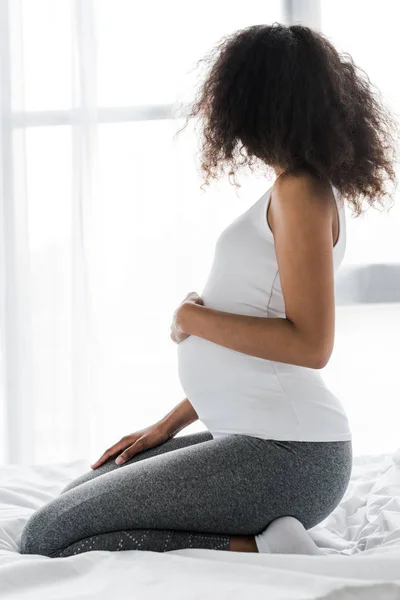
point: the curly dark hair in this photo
(284, 97)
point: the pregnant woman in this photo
(276, 457)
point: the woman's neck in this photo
(278, 171)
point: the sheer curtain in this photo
(103, 226)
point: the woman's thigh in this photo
(231, 485)
(212, 487)
(174, 443)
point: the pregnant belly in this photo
(217, 379)
(236, 392)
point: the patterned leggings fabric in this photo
(192, 491)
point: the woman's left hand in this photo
(177, 335)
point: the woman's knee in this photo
(32, 536)
(44, 531)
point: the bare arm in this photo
(301, 216)
(182, 415)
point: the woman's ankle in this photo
(242, 543)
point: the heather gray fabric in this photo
(192, 491)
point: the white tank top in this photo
(233, 392)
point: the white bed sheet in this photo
(362, 537)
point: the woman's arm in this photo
(182, 415)
(300, 215)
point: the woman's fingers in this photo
(193, 297)
(112, 451)
(175, 334)
(135, 448)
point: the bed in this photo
(361, 537)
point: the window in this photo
(111, 229)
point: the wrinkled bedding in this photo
(361, 538)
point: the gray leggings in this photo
(192, 491)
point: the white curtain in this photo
(103, 226)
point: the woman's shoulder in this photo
(297, 189)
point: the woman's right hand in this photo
(133, 443)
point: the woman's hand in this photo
(177, 335)
(133, 443)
